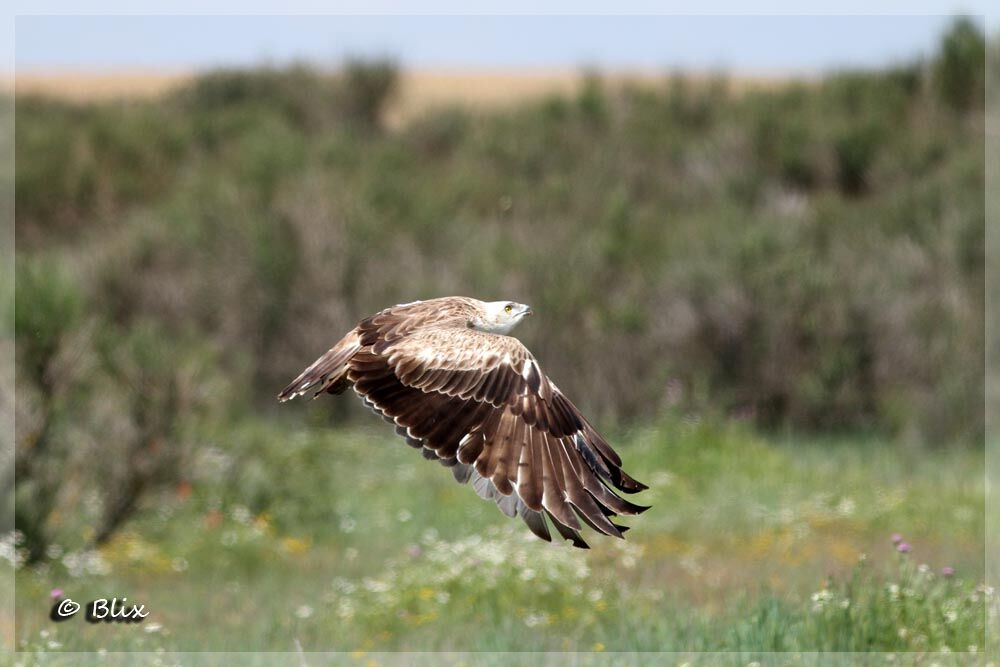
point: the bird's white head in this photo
(500, 317)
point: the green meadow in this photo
(351, 542)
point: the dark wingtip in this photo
(626, 483)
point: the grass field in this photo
(420, 91)
(348, 541)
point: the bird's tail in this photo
(328, 373)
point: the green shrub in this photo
(960, 68)
(302, 96)
(855, 152)
(591, 100)
(437, 135)
(48, 306)
(366, 88)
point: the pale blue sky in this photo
(806, 43)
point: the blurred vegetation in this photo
(343, 540)
(807, 257)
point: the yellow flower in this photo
(600, 605)
(294, 545)
(426, 593)
(598, 647)
(420, 619)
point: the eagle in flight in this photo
(457, 387)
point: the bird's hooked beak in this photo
(527, 311)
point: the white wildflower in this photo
(374, 585)
(9, 548)
(533, 620)
(821, 599)
(345, 609)
(241, 514)
(846, 507)
(305, 611)
(81, 563)
(152, 628)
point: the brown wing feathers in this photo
(485, 408)
(328, 372)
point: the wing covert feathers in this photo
(479, 403)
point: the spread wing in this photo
(480, 403)
(329, 372)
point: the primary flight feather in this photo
(465, 393)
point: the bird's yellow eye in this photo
(508, 308)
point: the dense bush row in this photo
(812, 253)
